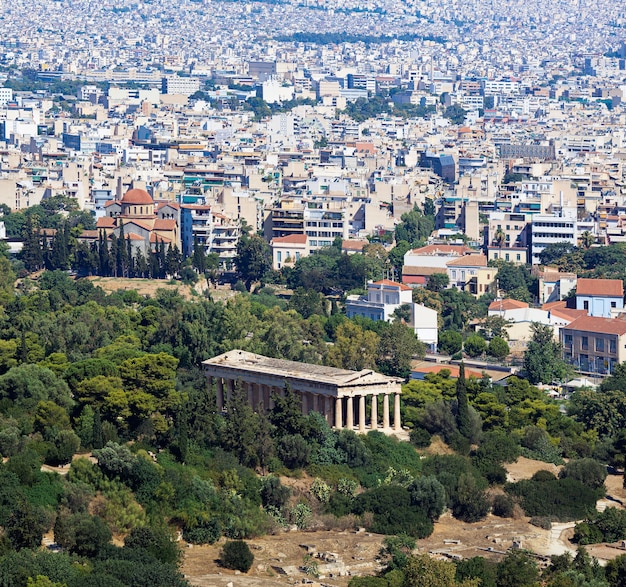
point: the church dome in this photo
(137, 197)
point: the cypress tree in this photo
(98, 438)
(199, 256)
(32, 253)
(462, 414)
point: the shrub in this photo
(587, 533)
(558, 499)
(503, 506)
(498, 348)
(236, 555)
(202, 531)
(588, 471)
(541, 522)
(606, 526)
(420, 437)
(393, 512)
(475, 345)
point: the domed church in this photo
(139, 218)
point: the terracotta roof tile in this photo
(164, 224)
(392, 283)
(290, 239)
(469, 261)
(600, 287)
(506, 304)
(599, 325)
(106, 222)
(443, 250)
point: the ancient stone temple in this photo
(341, 396)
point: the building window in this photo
(279, 256)
(612, 346)
(567, 339)
(585, 305)
(613, 304)
(519, 257)
(585, 343)
(599, 344)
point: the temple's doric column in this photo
(219, 391)
(304, 403)
(273, 392)
(397, 424)
(350, 413)
(374, 413)
(386, 410)
(338, 414)
(230, 388)
(250, 390)
(362, 414)
(316, 402)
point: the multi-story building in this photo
(550, 229)
(226, 234)
(470, 273)
(174, 84)
(594, 346)
(321, 224)
(384, 297)
(196, 225)
(600, 297)
(287, 250)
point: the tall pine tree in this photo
(462, 413)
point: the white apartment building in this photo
(6, 96)
(174, 84)
(548, 229)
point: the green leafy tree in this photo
(253, 260)
(354, 348)
(429, 495)
(414, 226)
(475, 345)
(26, 525)
(240, 431)
(450, 342)
(236, 555)
(437, 282)
(498, 348)
(543, 360)
(517, 569)
(397, 347)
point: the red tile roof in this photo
(106, 222)
(567, 313)
(165, 224)
(600, 287)
(469, 261)
(137, 196)
(443, 250)
(409, 270)
(353, 245)
(392, 283)
(454, 370)
(290, 239)
(598, 325)
(506, 304)
(414, 279)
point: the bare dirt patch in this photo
(277, 558)
(149, 287)
(525, 468)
